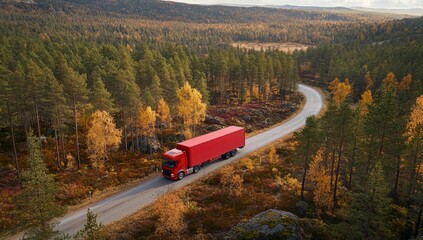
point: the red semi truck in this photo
(189, 156)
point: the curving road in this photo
(129, 201)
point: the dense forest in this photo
(148, 70)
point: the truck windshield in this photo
(168, 163)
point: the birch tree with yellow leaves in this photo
(340, 91)
(339, 118)
(366, 100)
(414, 135)
(322, 196)
(190, 108)
(147, 123)
(102, 136)
(165, 119)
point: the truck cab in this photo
(174, 164)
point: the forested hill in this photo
(171, 11)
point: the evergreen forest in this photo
(93, 92)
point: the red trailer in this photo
(189, 156)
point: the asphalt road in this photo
(129, 201)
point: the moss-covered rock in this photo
(271, 224)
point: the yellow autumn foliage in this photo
(406, 82)
(389, 82)
(147, 121)
(102, 135)
(233, 183)
(171, 210)
(369, 81)
(272, 156)
(316, 166)
(190, 108)
(415, 122)
(340, 91)
(290, 184)
(322, 196)
(163, 113)
(255, 93)
(366, 100)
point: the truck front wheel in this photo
(196, 169)
(181, 175)
(233, 152)
(226, 155)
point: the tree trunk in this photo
(305, 170)
(65, 160)
(370, 156)
(335, 198)
(418, 222)
(332, 168)
(56, 141)
(24, 119)
(397, 176)
(12, 132)
(37, 117)
(382, 140)
(326, 153)
(76, 134)
(132, 133)
(352, 164)
(124, 129)
(414, 171)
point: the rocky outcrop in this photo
(271, 224)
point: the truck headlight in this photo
(172, 175)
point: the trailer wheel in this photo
(196, 169)
(233, 152)
(181, 175)
(226, 155)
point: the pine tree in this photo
(170, 86)
(75, 87)
(6, 97)
(155, 91)
(384, 129)
(36, 202)
(35, 79)
(368, 212)
(55, 107)
(91, 230)
(308, 138)
(101, 99)
(126, 94)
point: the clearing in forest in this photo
(284, 47)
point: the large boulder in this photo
(271, 224)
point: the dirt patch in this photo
(253, 116)
(284, 47)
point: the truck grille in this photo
(166, 172)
